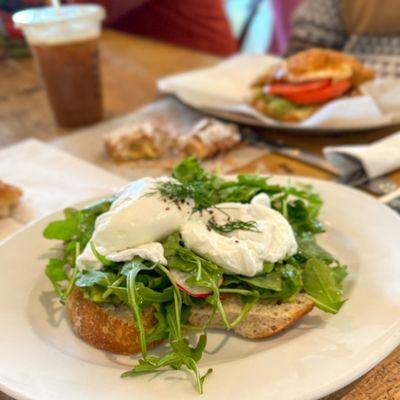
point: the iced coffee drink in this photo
(64, 43)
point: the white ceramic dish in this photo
(41, 358)
(293, 128)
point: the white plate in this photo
(294, 128)
(40, 357)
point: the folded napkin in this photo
(375, 159)
(50, 180)
(225, 87)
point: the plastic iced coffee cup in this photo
(64, 43)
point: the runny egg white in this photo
(241, 251)
(137, 220)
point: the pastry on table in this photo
(210, 137)
(9, 197)
(135, 141)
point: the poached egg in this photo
(241, 251)
(137, 220)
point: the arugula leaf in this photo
(160, 331)
(271, 281)
(268, 267)
(301, 207)
(340, 273)
(55, 270)
(104, 261)
(292, 283)
(65, 229)
(321, 284)
(190, 170)
(182, 353)
(207, 189)
(150, 296)
(308, 248)
(132, 269)
(78, 224)
(281, 284)
(92, 278)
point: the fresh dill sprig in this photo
(174, 191)
(178, 192)
(231, 226)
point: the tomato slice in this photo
(282, 89)
(335, 89)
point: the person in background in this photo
(366, 29)
(282, 24)
(198, 24)
(12, 43)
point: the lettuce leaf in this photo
(321, 284)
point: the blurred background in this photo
(257, 26)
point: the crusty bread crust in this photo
(319, 63)
(9, 197)
(316, 63)
(209, 138)
(106, 327)
(113, 329)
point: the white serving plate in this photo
(41, 358)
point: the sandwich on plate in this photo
(298, 86)
(171, 257)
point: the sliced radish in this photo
(181, 277)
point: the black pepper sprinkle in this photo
(236, 241)
(167, 209)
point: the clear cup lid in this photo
(50, 15)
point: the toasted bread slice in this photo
(263, 320)
(107, 327)
(113, 328)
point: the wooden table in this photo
(131, 66)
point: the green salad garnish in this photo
(141, 283)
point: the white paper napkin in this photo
(225, 87)
(376, 158)
(50, 180)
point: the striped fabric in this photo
(318, 23)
